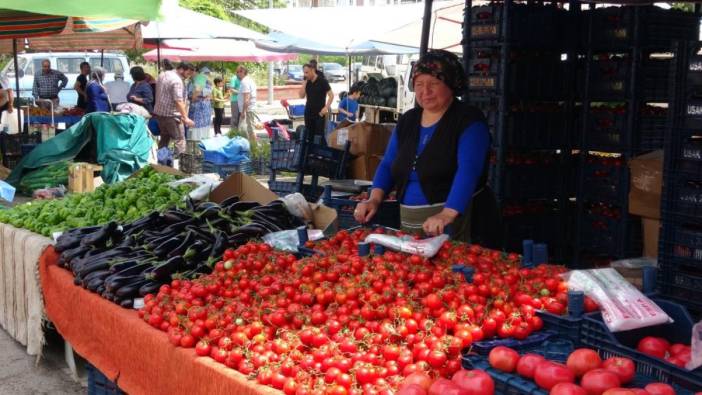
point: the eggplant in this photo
(149, 288)
(113, 283)
(77, 281)
(66, 242)
(178, 227)
(94, 266)
(180, 249)
(204, 206)
(158, 241)
(94, 284)
(219, 245)
(130, 289)
(101, 289)
(127, 303)
(167, 268)
(133, 270)
(174, 216)
(253, 230)
(101, 274)
(201, 233)
(209, 213)
(74, 253)
(101, 236)
(240, 207)
(190, 204)
(162, 250)
(229, 201)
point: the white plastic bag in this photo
(206, 183)
(7, 191)
(288, 240)
(623, 306)
(298, 206)
(426, 247)
(8, 122)
(696, 357)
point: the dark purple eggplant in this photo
(167, 246)
(167, 268)
(229, 201)
(180, 249)
(101, 236)
(149, 288)
(127, 303)
(131, 289)
(240, 207)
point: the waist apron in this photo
(481, 223)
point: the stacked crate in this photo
(680, 244)
(521, 77)
(626, 65)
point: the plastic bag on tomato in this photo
(426, 247)
(623, 306)
(288, 240)
(298, 206)
(696, 343)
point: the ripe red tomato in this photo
(443, 386)
(659, 389)
(597, 381)
(412, 389)
(503, 358)
(567, 389)
(677, 348)
(624, 391)
(654, 346)
(474, 382)
(417, 378)
(583, 360)
(203, 348)
(622, 367)
(548, 374)
(527, 364)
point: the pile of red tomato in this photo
(584, 365)
(337, 323)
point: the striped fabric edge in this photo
(22, 26)
(95, 25)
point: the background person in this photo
(140, 92)
(169, 107)
(200, 110)
(219, 98)
(98, 100)
(118, 89)
(437, 159)
(316, 89)
(234, 86)
(247, 104)
(48, 83)
(348, 106)
(81, 83)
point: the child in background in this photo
(348, 107)
(219, 98)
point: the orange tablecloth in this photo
(125, 348)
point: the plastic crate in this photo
(529, 78)
(613, 27)
(531, 343)
(215, 157)
(606, 179)
(596, 334)
(286, 155)
(652, 129)
(11, 144)
(683, 239)
(190, 163)
(282, 188)
(615, 236)
(11, 161)
(261, 166)
(610, 78)
(225, 170)
(607, 128)
(388, 213)
(565, 326)
(531, 25)
(534, 126)
(296, 110)
(325, 161)
(98, 384)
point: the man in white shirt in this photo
(117, 90)
(247, 104)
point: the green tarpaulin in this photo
(122, 144)
(145, 10)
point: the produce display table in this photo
(21, 306)
(124, 348)
(46, 120)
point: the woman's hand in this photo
(435, 224)
(365, 210)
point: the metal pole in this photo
(102, 58)
(349, 73)
(270, 70)
(158, 56)
(17, 85)
(426, 27)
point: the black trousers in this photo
(314, 126)
(219, 116)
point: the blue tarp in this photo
(222, 150)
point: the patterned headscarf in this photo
(444, 66)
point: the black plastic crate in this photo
(282, 188)
(225, 171)
(11, 144)
(685, 195)
(388, 214)
(537, 220)
(607, 128)
(611, 233)
(286, 155)
(682, 240)
(324, 161)
(98, 384)
(536, 77)
(606, 178)
(653, 123)
(682, 282)
(11, 161)
(613, 27)
(531, 25)
(537, 126)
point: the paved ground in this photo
(20, 376)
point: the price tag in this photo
(483, 30)
(138, 303)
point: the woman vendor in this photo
(437, 158)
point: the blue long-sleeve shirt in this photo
(473, 146)
(97, 98)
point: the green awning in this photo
(145, 10)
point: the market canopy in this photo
(145, 10)
(336, 27)
(182, 23)
(282, 42)
(220, 50)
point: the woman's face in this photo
(431, 93)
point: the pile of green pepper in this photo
(123, 202)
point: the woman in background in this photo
(95, 92)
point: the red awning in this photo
(216, 50)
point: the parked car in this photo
(69, 64)
(334, 72)
(295, 72)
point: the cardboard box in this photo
(364, 167)
(365, 138)
(646, 185)
(247, 188)
(4, 172)
(651, 229)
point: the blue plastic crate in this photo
(225, 171)
(282, 188)
(216, 157)
(286, 155)
(296, 110)
(595, 334)
(532, 343)
(325, 161)
(565, 326)
(98, 384)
